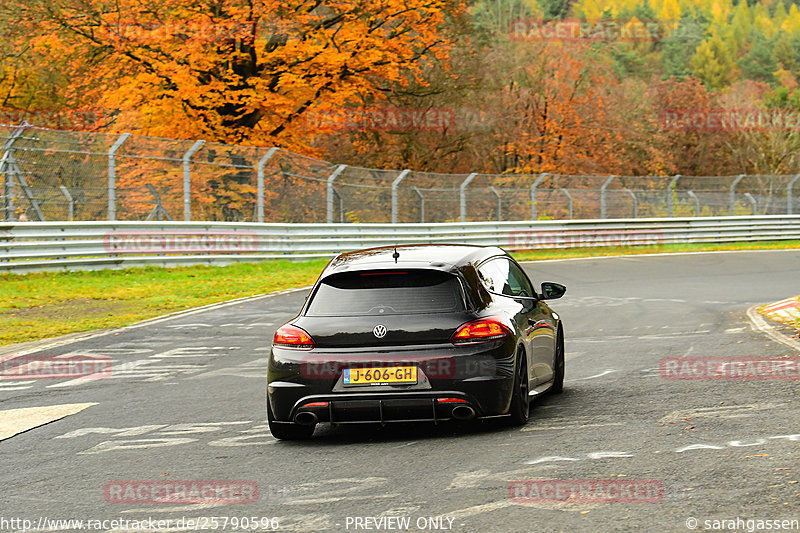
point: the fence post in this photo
(8, 174)
(341, 204)
(395, 185)
(603, 196)
(635, 202)
(260, 200)
(421, 205)
(331, 191)
(187, 175)
(112, 176)
(733, 193)
(789, 194)
(70, 203)
(535, 186)
(158, 212)
(499, 203)
(752, 202)
(694, 197)
(670, 191)
(463, 195)
(566, 193)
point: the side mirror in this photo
(552, 291)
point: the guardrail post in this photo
(789, 194)
(534, 187)
(112, 176)
(499, 203)
(260, 200)
(70, 203)
(421, 205)
(752, 202)
(670, 191)
(635, 202)
(694, 197)
(463, 195)
(566, 193)
(187, 175)
(332, 191)
(395, 185)
(733, 193)
(603, 196)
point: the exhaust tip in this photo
(463, 412)
(305, 418)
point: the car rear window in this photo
(399, 292)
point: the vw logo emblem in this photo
(379, 331)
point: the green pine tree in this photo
(759, 63)
(679, 47)
(713, 64)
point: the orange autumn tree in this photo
(237, 71)
(557, 113)
(232, 71)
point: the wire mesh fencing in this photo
(67, 175)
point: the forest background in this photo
(627, 87)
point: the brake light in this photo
(483, 330)
(289, 336)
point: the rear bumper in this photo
(488, 398)
(482, 375)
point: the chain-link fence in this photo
(68, 175)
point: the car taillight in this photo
(484, 330)
(289, 336)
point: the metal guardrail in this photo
(32, 246)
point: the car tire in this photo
(520, 404)
(558, 371)
(287, 431)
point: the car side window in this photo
(505, 277)
(519, 282)
(494, 274)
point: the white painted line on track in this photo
(16, 421)
(606, 372)
(722, 411)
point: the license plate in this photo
(380, 375)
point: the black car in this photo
(415, 333)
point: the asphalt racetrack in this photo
(637, 450)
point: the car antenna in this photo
(395, 255)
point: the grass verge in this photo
(43, 305)
(48, 304)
